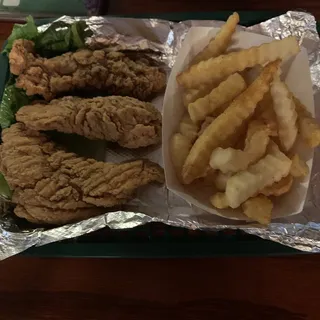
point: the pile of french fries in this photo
(241, 135)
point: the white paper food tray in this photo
(296, 73)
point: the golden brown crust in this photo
(128, 121)
(85, 70)
(47, 179)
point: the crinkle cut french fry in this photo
(188, 128)
(219, 200)
(279, 188)
(234, 160)
(246, 184)
(224, 93)
(286, 114)
(179, 149)
(226, 124)
(254, 127)
(251, 73)
(257, 134)
(221, 180)
(258, 209)
(309, 128)
(214, 70)
(299, 169)
(191, 95)
(269, 118)
(209, 178)
(220, 43)
(265, 112)
(205, 124)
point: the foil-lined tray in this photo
(161, 40)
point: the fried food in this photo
(224, 93)
(221, 180)
(205, 124)
(299, 169)
(180, 146)
(188, 128)
(191, 95)
(279, 188)
(214, 70)
(246, 184)
(220, 43)
(226, 124)
(254, 127)
(267, 115)
(286, 114)
(127, 121)
(44, 215)
(234, 160)
(219, 200)
(112, 73)
(258, 209)
(209, 178)
(309, 128)
(54, 187)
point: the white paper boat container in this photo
(296, 73)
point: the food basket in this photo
(155, 239)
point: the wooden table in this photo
(153, 6)
(284, 288)
(219, 288)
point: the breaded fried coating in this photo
(127, 121)
(112, 73)
(52, 186)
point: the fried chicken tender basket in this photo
(163, 39)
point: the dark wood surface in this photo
(218, 288)
(283, 288)
(162, 6)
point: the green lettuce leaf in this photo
(5, 191)
(12, 100)
(79, 33)
(61, 37)
(27, 31)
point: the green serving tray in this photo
(41, 8)
(156, 240)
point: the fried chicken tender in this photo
(52, 186)
(128, 121)
(85, 70)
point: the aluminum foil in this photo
(161, 40)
